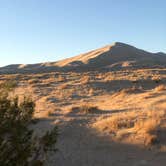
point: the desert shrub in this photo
(63, 86)
(91, 92)
(148, 127)
(115, 123)
(8, 85)
(131, 90)
(86, 108)
(85, 79)
(18, 144)
(61, 78)
(156, 79)
(33, 81)
(161, 87)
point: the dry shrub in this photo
(33, 81)
(61, 78)
(144, 125)
(156, 78)
(131, 90)
(116, 122)
(147, 125)
(161, 87)
(99, 76)
(87, 108)
(135, 80)
(150, 140)
(85, 79)
(91, 91)
(63, 86)
(126, 64)
(49, 80)
(156, 114)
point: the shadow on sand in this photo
(117, 85)
(80, 145)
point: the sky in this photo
(33, 31)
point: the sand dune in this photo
(111, 57)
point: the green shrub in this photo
(18, 145)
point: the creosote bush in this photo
(18, 144)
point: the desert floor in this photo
(104, 118)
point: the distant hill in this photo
(117, 56)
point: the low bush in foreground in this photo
(18, 144)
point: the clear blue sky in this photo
(48, 30)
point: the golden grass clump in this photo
(137, 124)
(147, 125)
(116, 122)
(161, 87)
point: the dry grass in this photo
(144, 124)
(156, 78)
(33, 81)
(148, 125)
(129, 121)
(130, 90)
(85, 79)
(116, 122)
(61, 78)
(160, 88)
(63, 86)
(91, 92)
(87, 108)
(49, 80)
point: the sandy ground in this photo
(82, 141)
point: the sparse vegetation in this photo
(126, 107)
